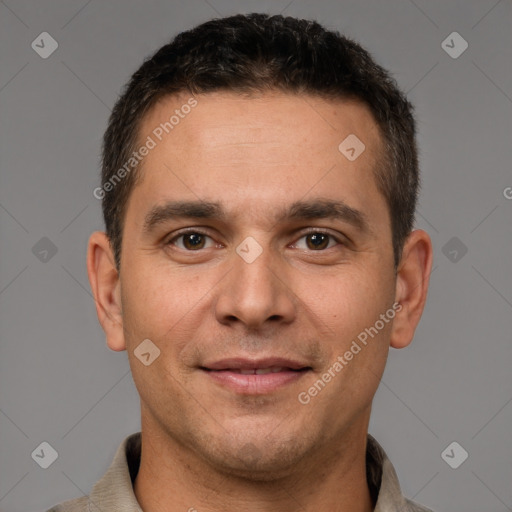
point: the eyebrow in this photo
(299, 210)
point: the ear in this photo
(105, 284)
(412, 280)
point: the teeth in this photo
(259, 371)
(274, 369)
(262, 371)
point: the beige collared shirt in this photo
(114, 491)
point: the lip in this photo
(248, 364)
(226, 373)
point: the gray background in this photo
(60, 383)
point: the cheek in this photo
(349, 306)
(355, 341)
(160, 291)
(149, 307)
(348, 302)
(157, 308)
(166, 306)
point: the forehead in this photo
(263, 118)
(264, 148)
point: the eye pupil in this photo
(193, 241)
(318, 240)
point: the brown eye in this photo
(317, 241)
(191, 241)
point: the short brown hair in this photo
(256, 53)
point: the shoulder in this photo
(412, 506)
(74, 505)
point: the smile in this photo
(255, 377)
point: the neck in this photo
(172, 478)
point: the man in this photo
(259, 185)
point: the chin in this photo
(261, 460)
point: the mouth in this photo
(252, 377)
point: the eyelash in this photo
(202, 233)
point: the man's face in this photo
(267, 281)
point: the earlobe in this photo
(411, 287)
(105, 285)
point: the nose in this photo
(255, 293)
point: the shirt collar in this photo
(114, 491)
(382, 477)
